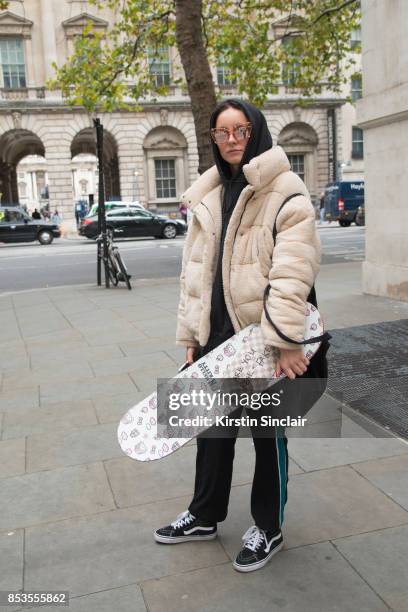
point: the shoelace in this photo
(253, 538)
(183, 519)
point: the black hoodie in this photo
(221, 327)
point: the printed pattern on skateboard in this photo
(244, 356)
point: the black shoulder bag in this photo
(300, 397)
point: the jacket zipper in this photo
(232, 249)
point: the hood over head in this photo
(259, 142)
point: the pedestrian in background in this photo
(36, 214)
(56, 218)
(183, 211)
(322, 209)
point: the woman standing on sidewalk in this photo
(228, 259)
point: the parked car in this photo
(132, 223)
(342, 200)
(113, 206)
(17, 226)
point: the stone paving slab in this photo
(146, 381)
(381, 560)
(32, 326)
(81, 446)
(390, 475)
(125, 599)
(53, 496)
(20, 399)
(71, 306)
(321, 453)
(313, 578)
(138, 363)
(11, 360)
(144, 313)
(12, 457)
(96, 318)
(53, 418)
(109, 335)
(62, 354)
(146, 346)
(20, 378)
(50, 393)
(110, 550)
(110, 409)
(134, 482)
(9, 327)
(321, 506)
(29, 298)
(11, 560)
(65, 337)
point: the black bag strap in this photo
(274, 230)
(311, 298)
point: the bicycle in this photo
(115, 266)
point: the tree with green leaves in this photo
(259, 42)
(3, 5)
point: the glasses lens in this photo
(220, 136)
(241, 132)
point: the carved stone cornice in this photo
(12, 24)
(75, 25)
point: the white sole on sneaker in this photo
(256, 566)
(170, 540)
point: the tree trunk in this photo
(200, 84)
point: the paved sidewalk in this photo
(78, 515)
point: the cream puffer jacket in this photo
(250, 259)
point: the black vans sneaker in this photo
(259, 547)
(185, 528)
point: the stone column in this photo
(383, 114)
(48, 39)
(60, 179)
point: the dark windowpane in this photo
(297, 163)
(165, 177)
(357, 151)
(356, 88)
(12, 63)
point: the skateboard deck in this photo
(244, 356)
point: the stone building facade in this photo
(383, 113)
(150, 155)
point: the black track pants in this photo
(214, 465)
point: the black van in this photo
(344, 202)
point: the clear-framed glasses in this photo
(241, 132)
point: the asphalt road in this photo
(73, 261)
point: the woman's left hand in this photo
(292, 363)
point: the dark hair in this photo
(222, 106)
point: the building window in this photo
(297, 163)
(290, 72)
(355, 39)
(12, 63)
(224, 74)
(165, 177)
(159, 66)
(357, 151)
(356, 87)
(22, 189)
(84, 186)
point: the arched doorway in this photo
(300, 141)
(84, 165)
(15, 145)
